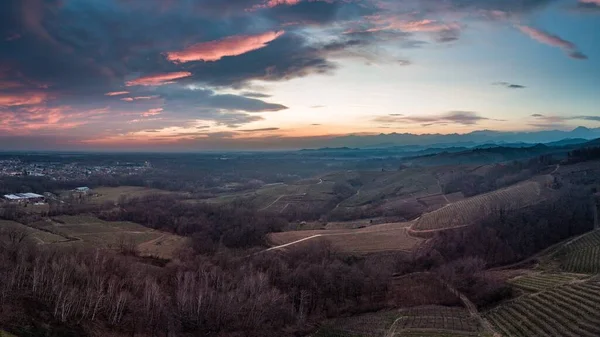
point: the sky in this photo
(254, 74)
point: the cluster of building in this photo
(66, 172)
(34, 198)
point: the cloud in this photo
(552, 40)
(452, 117)
(117, 93)
(158, 79)
(275, 3)
(152, 112)
(588, 118)
(554, 121)
(202, 100)
(230, 46)
(509, 85)
(139, 98)
(590, 6)
(255, 94)
(259, 130)
(19, 98)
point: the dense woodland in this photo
(80, 293)
(210, 225)
(585, 154)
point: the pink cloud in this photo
(152, 112)
(275, 3)
(116, 93)
(597, 2)
(552, 40)
(25, 98)
(37, 118)
(230, 46)
(158, 79)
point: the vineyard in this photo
(581, 255)
(540, 282)
(426, 321)
(435, 320)
(468, 211)
(565, 310)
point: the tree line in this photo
(56, 292)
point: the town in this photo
(68, 171)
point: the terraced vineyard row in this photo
(540, 282)
(435, 321)
(467, 211)
(426, 321)
(582, 261)
(589, 240)
(581, 255)
(567, 311)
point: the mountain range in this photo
(472, 139)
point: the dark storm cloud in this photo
(318, 12)
(510, 6)
(288, 57)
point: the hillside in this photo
(468, 211)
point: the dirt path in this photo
(472, 308)
(291, 243)
(354, 195)
(392, 330)
(273, 203)
(441, 190)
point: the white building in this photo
(24, 197)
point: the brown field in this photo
(467, 211)
(385, 237)
(104, 194)
(39, 236)
(90, 231)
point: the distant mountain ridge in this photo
(472, 139)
